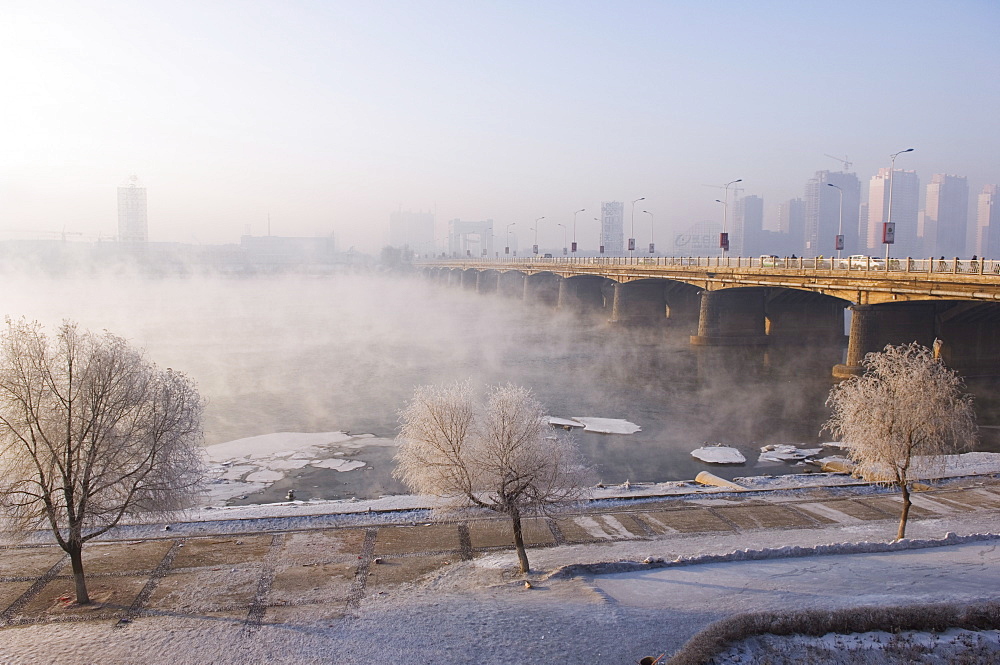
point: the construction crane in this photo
(847, 164)
(61, 234)
(737, 190)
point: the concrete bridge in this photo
(753, 301)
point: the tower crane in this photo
(847, 164)
(61, 234)
(737, 190)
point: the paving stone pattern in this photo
(309, 574)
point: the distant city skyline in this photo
(328, 116)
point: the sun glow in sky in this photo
(330, 115)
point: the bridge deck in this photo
(862, 281)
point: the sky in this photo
(327, 116)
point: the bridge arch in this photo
(753, 304)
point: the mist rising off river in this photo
(314, 354)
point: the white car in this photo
(861, 262)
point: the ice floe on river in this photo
(718, 454)
(783, 452)
(598, 425)
(251, 464)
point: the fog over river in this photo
(321, 354)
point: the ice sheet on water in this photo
(338, 464)
(607, 425)
(786, 453)
(247, 465)
(556, 421)
(718, 455)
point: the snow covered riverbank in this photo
(967, 464)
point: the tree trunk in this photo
(906, 512)
(75, 551)
(522, 556)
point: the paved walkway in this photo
(309, 573)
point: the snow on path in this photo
(952, 573)
(472, 612)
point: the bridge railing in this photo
(826, 264)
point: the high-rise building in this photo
(823, 222)
(946, 215)
(132, 224)
(412, 230)
(905, 208)
(613, 227)
(791, 223)
(748, 227)
(987, 243)
(470, 238)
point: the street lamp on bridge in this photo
(506, 249)
(651, 219)
(888, 230)
(564, 237)
(574, 228)
(839, 244)
(534, 249)
(600, 235)
(631, 240)
(724, 236)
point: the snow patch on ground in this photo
(873, 648)
(864, 547)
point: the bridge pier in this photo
(683, 306)
(860, 342)
(511, 284)
(581, 294)
(639, 303)
(874, 326)
(469, 278)
(734, 317)
(542, 288)
(804, 318)
(487, 281)
(970, 333)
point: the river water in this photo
(316, 354)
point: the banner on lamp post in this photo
(888, 233)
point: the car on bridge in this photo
(861, 262)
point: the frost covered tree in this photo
(503, 456)
(90, 431)
(901, 417)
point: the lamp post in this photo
(651, 245)
(574, 228)
(506, 249)
(631, 233)
(839, 243)
(534, 249)
(600, 235)
(564, 237)
(888, 230)
(724, 237)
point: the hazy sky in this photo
(330, 115)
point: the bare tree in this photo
(902, 417)
(91, 431)
(503, 457)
